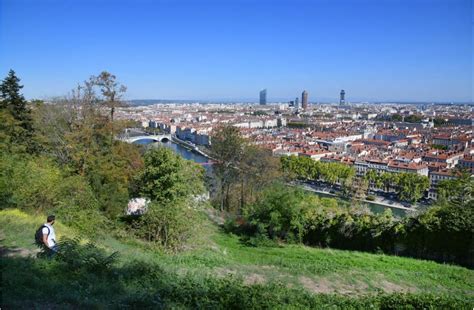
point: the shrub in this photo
(84, 257)
(441, 233)
(280, 213)
(168, 225)
(39, 185)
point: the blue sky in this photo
(376, 50)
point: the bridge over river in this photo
(155, 138)
(183, 148)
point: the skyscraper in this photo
(342, 100)
(304, 100)
(263, 97)
(297, 102)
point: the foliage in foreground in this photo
(37, 184)
(82, 282)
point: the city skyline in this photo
(382, 51)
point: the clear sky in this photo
(231, 49)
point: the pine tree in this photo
(13, 103)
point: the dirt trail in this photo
(18, 252)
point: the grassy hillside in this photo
(216, 261)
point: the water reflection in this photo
(178, 149)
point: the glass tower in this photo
(263, 97)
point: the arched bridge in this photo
(156, 138)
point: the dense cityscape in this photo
(432, 140)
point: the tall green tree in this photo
(411, 186)
(227, 149)
(12, 103)
(168, 178)
(170, 182)
(457, 191)
(257, 169)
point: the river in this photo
(179, 149)
(190, 155)
(374, 207)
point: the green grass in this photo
(17, 229)
(318, 270)
(213, 254)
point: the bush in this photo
(280, 213)
(84, 257)
(30, 184)
(168, 225)
(421, 301)
(442, 233)
(39, 185)
(370, 198)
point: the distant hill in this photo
(140, 102)
(145, 102)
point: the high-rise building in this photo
(304, 100)
(263, 97)
(342, 100)
(297, 102)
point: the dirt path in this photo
(18, 252)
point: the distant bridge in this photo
(156, 138)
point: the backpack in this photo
(39, 235)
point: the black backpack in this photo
(39, 235)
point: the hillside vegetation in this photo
(220, 264)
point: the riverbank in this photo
(190, 146)
(377, 202)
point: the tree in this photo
(397, 118)
(227, 149)
(257, 169)
(169, 181)
(75, 133)
(10, 130)
(359, 188)
(457, 191)
(281, 212)
(168, 178)
(111, 90)
(411, 186)
(439, 122)
(12, 102)
(389, 180)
